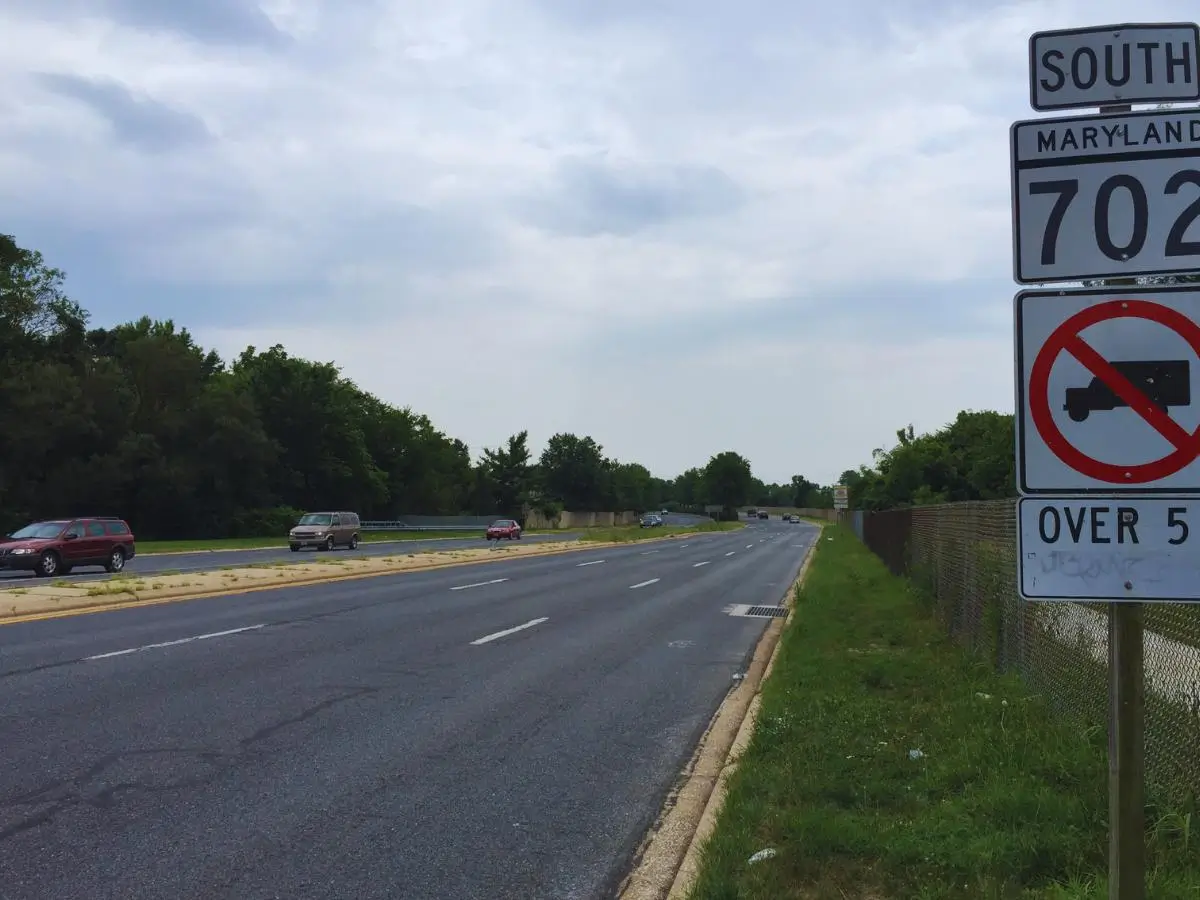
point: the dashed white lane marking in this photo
(699, 564)
(186, 640)
(642, 584)
(507, 631)
(681, 546)
(463, 587)
(594, 562)
(749, 546)
(648, 552)
(731, 552)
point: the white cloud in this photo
(434, 193)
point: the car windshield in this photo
(502, 523)
(39, 530)
(315, 519)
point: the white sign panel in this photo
(1109, 549)
(841, 496)
(1110, 64)
(1108, 391)
(1106, 196)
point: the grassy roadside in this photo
(368, 537)
(887, 764)
(627, 533)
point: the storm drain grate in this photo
(759, 612)
(776, 612)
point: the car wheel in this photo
(518, 535)
(115, 561)
(47, 566)
(295, 548)
(354, 542)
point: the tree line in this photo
(972, 458)
(139, 421)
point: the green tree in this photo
(728, 480)
(310, 412)
(573, 471)
(508, 474)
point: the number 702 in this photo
(1068, 188)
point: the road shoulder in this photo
(668, 855)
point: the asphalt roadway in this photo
(503, 730)
(207, 560)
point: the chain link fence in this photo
(963, 558)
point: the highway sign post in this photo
(1106, 196)
(1107, 437)
(1107, 400)
(1090, 67)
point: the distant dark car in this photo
(503, 529)
(762, 514)
(652, 520)
(57, 546)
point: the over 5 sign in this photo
(1140, 549)
(1106, 196)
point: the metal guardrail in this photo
(404, 526)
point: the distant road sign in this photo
(1115, 548)
(1105, 386)
(841, 496)
(1132, 63)
(1106, 196)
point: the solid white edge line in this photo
(463, 587)
(642, 584)
(507, 631)
(186, 640)
(699, 564)
(594, 562)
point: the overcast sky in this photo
(679, 226)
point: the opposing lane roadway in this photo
(206, 560)
(498, 730)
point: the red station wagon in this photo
(503, 528)
(57, 546)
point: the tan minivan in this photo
(325, 530)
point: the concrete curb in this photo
(129, 599)
(668, 860)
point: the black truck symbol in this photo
(1165, 382)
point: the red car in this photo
(57, 546)
(503, 528)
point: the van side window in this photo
(115, 528)
(95, 529)
(336, 522)
(75, 528)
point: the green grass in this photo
(1005, 799)
(367, 537)
(627, 533)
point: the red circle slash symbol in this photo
(1065, 338)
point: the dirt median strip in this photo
(46, 600)
(667, 860)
